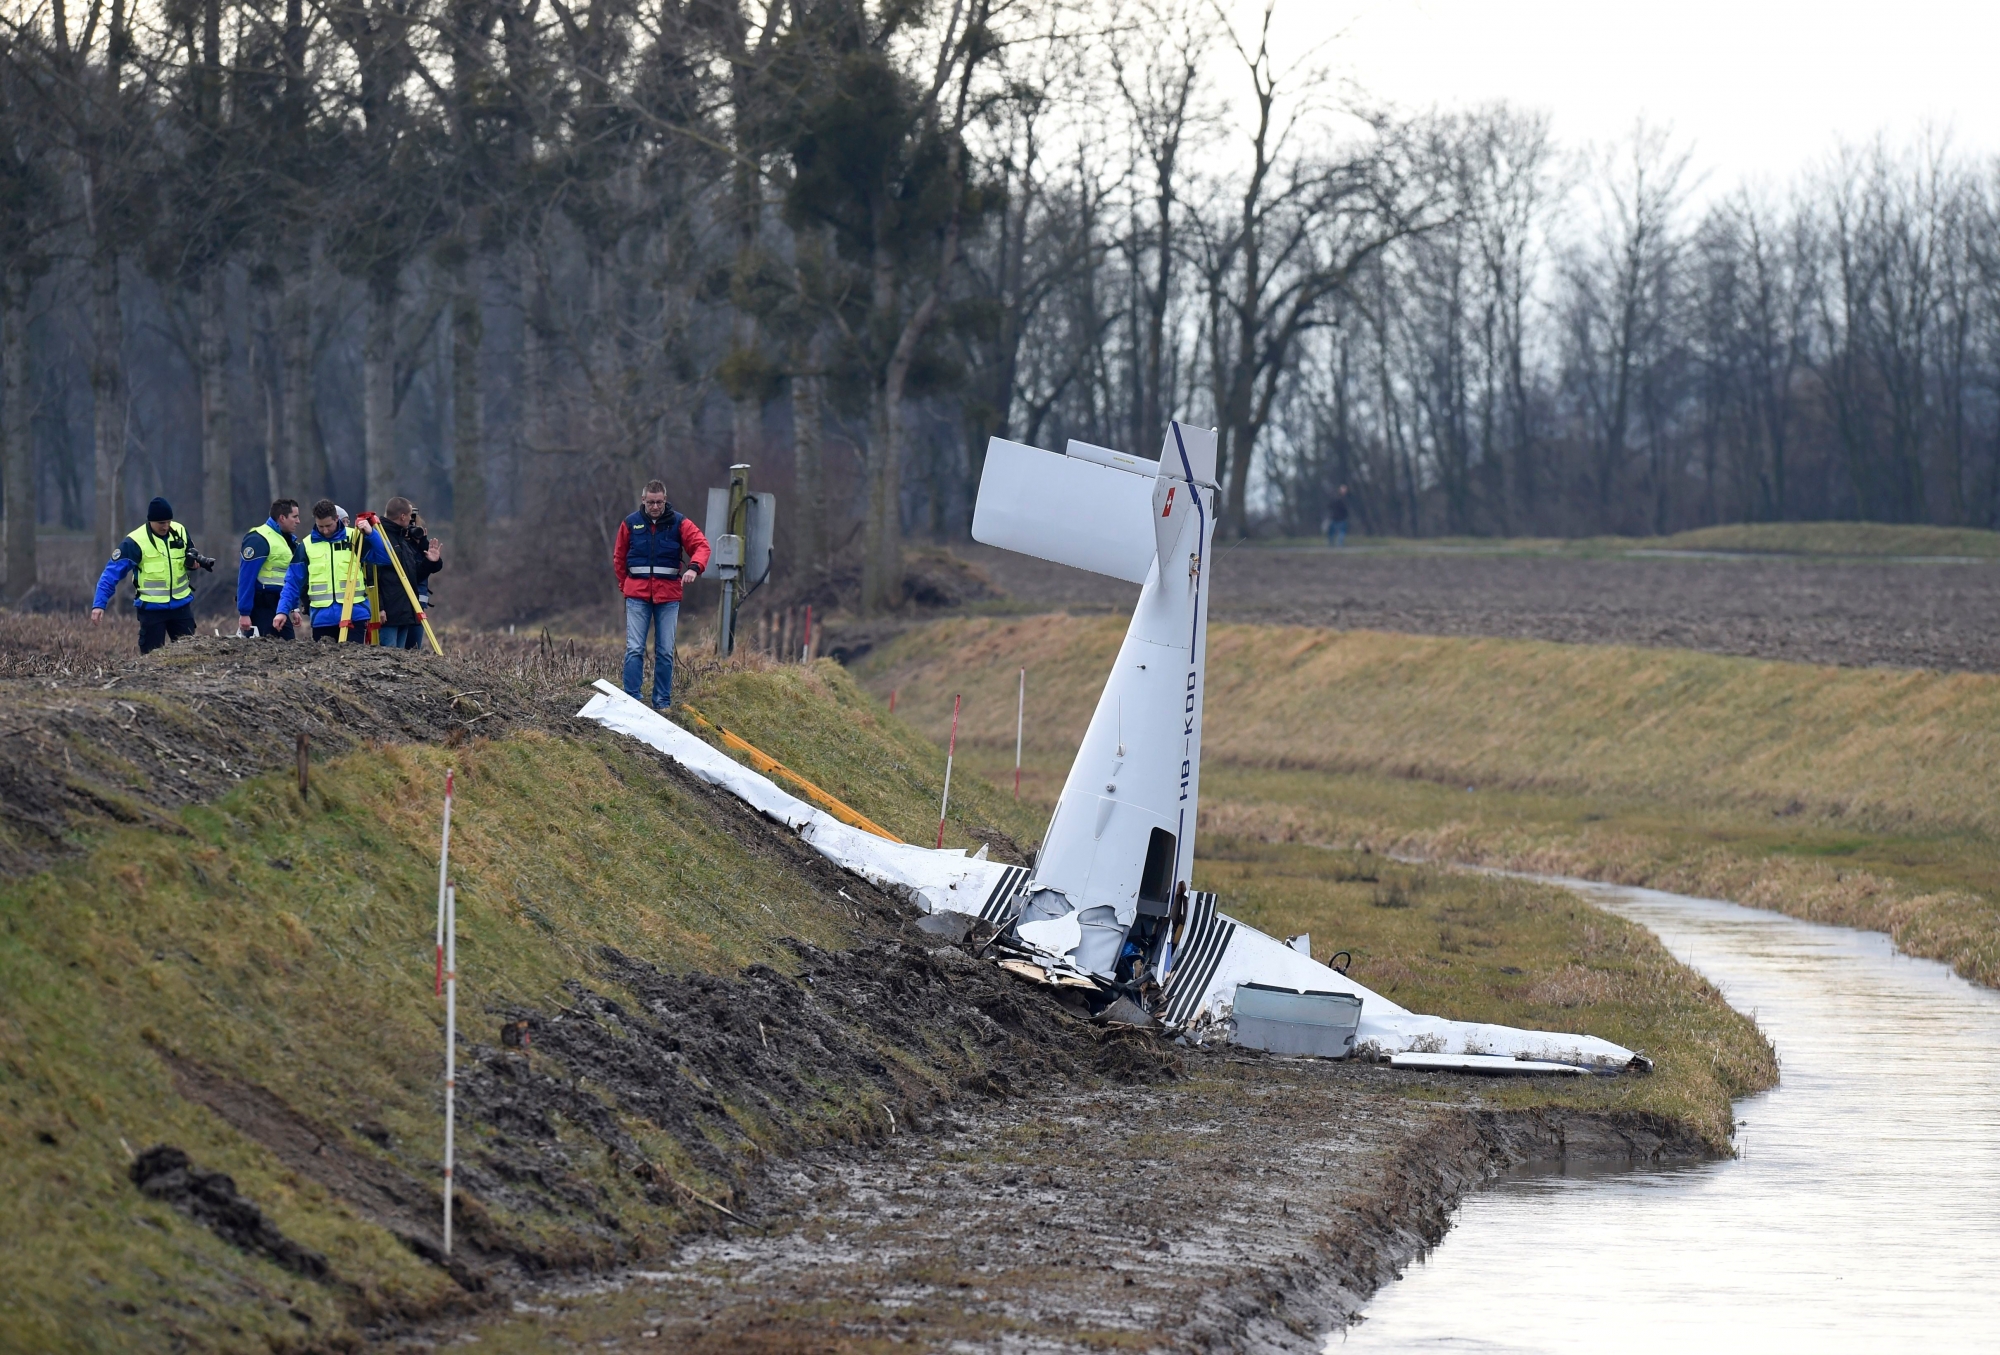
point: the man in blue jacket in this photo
(272, 574)
(331, 553)
(158, 554)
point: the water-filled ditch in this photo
(1863, 1212)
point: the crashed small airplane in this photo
(1107, 911)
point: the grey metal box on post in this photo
(760, 511)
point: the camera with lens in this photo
(205, 561)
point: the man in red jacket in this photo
(659, 551)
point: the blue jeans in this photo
(400, 637)
(662, 617)
(1336, 531)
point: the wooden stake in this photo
(950, 751)
(1020, 717)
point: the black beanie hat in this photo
(159, 510)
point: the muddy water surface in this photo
(1863, 1213)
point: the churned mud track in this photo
(138, 741)
(1851, 613)
(1252, 1205)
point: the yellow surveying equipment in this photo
(353, 573)
(411, 593)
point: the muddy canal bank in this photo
(1250, 1205)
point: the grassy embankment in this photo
(282, 950)
(1854, 796)
(287, 946)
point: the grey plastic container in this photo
(1286, 1021)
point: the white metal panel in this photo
(1065, 510)
(1105, 456)
(1189, 453)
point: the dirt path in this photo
(1251, 1207)
(1848, 612)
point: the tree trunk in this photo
(468, 432)
(107, 391)
(882, 534)
(808, 468)
(378, 391)
(533, 423)
(676, 369)
(268, 377)
(1242, 445)
(17, 449)
(217, 491)
(303, 455)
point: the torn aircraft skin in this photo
(1108, 913)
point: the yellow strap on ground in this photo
(768, 765)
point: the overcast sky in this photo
(1761, 88)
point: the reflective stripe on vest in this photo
(163, 576)
(271, 574)
(328, 563)
(650, 552)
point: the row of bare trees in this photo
(510, 257)
(1576, 351)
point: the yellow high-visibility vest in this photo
(328, 563)
(271, 574)
(163, 575)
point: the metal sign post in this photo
(739, 528)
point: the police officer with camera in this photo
(158, 554)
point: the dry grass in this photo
(1852, 796)
(1935, 895)
(62, 646)
(1881, 750)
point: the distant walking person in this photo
(158, 554)
(659, 551)
(272, 577)
(1336, 520)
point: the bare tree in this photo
(1302, 223)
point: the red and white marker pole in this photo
(450, 1046)
(444, 860)
(1020, 719)
(447, 986)
(950, 751)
